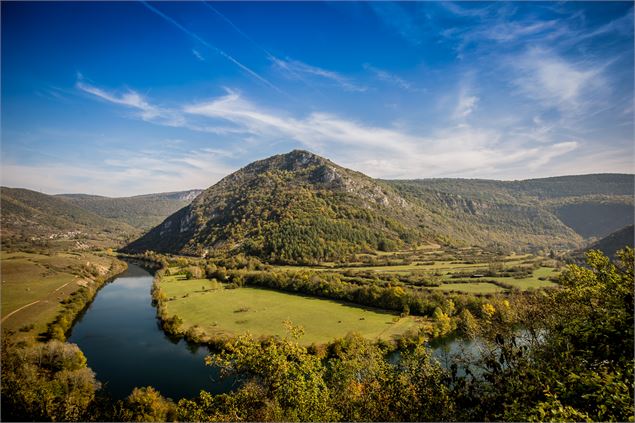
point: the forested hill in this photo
(141, 211)
(33, 217)
(550, 212)
(615, 241)
(302, 208)
(296, 208)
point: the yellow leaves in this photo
(450, 307)
(488, 310)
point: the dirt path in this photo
(21, 308)
(57, 289)
(34, 302)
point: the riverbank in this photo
(80, 300)
(40, 289)
(126, 348)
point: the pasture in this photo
(33, 285)
(264, 312)
(472, 262)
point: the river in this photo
(125, 346)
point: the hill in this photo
(141, 211)
(302, 208)
(30, 217)
(292, 208)
(557, 212)
(615, 241)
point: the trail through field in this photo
(34, 302)
(21, 308)
(58, 288)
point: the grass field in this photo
(407, 268)
(263, 312)
(533, 282)
(447, 268)
(32, 286)
(471, 287)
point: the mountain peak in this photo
(291, 161)
(296, 207)
(303, 156)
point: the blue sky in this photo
(127, 98)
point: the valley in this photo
(317, 211)
(293, 253)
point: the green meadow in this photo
(264, 312)
(471, 287)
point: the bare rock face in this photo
(190, 195)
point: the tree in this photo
(46, 382)
(147, 405)
(572, 361)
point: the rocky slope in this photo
(294, 208)
(302, 208)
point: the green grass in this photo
(34, 284)
(532, 282)
(471, 287)
(406, 268)
(262, 312)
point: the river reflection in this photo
(124, 345)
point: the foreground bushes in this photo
(349, 380)
(46, 382)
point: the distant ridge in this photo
(140, 211)
(556, 212)
(30, 216)
(615, 241)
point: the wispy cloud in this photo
(242, 33)
(296, 69)
(463, 149)
(198, 55)
(152, 171)
(555, 82)
(466, 104)
(471, 12)
(132, 99)
(390, 78)
(222, 53)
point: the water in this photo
(126, 348)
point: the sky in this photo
(128, 98)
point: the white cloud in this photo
(466, 105)
(380, 151)
(295, 69)
(198, 55)
(555, 82)
(134, 100)
(460, 150)
(315, 130)
(390, 78)
(151, 172)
